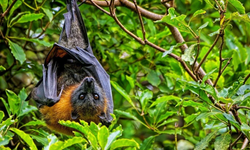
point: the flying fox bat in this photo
(74, 84)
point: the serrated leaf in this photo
(48, 13)
(35, 123)
(147, 143)
(26, 109)
(204, 142)
(103, 135)
(14, 101)
(4, 4)
(74, 125)
(124, 143)
(238, 5)
(29, 17)
(25, 137)
(222, 142)
(60, 145)
(17, 51)
(170, 120)
(122, 92)
(237, 16)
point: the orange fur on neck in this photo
(60, 111)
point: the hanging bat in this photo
(74, 85)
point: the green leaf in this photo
(15, 6)
(222, 142)
(4, 4)
(74, 125)
(239, 17)
(188, 54)
(164, 99)
(25, 137)
(48, 13)
(35, 123)
(129, 115)
(238, 5)
(204, 142)
(60, 145)
(131, 81)
(122, 92)
(1, 115)
(6, 106)
(245, 129)
(42, 42)
(203, 26)
(199, 12)
(26, 108)
(103, 136)
(2, 68)
(144, 97)
(124, 143)
(206, 114)
(178, 22)
(51, 140)
(6, 123)
(29, 17)
(14, 101)
(191, 118)
(112, 136)
(147, 143)
(230, 118)
(153, 78)
(17, 51)
(214, 33)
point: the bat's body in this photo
(74, 84)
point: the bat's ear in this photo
(74, 115)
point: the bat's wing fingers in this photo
(50, 83)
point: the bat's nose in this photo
(89, 80)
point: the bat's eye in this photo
(96, 96)
(81, 96)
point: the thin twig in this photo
(7, 10)
(47, 25)
(247, 77)
(103, 10)
(238, 138)
(141, 21)
(204, 58)
(242, 107)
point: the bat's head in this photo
(88, 101)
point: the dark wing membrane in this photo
(92, 67)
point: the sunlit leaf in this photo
(25, 137)
(17, 51)
(238, 5)
(124, 143)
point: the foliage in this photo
(162, 100)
